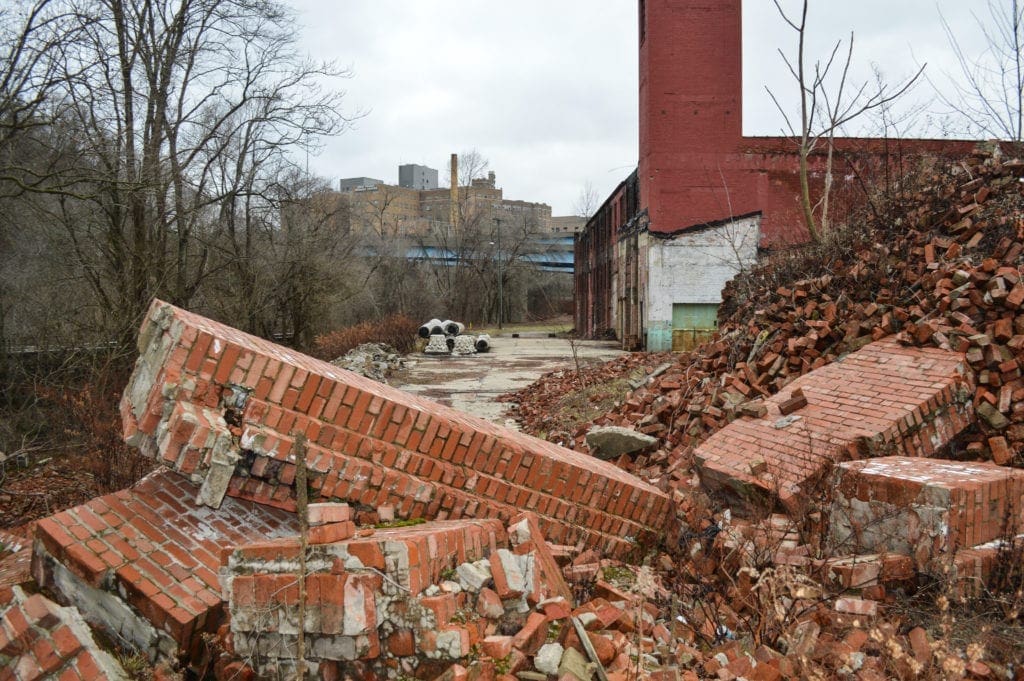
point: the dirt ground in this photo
(470, 383)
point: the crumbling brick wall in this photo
(395, 602)
(225, 408)
(142, 564)
(885, 398)
(924, 508)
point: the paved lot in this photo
(471, 383)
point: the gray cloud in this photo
(547, 90)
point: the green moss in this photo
(400, 523)
(618, 574)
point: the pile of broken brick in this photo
(947, 276)
(202, 565)
(846, 389)
(535, 408)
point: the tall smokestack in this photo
(453, 201)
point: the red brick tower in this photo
(691, 72)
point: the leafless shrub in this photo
(398, 331)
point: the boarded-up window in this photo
(692, 323)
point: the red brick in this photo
(1001, 452)
(533, 634)
(919, 645)
(323, 513)
(489, 604)
(65, 642)
(856, 606)
(443, 607)
(87, 667)
(402, 643)
(497, 647)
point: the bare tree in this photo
(174, 108)
(828, 101)
(472, 166)
(376, 213)
(34, 37)
(989, 94)
(587, 202)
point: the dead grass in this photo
(962, 623)
(584, 405)
(558, 325)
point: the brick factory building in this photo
(651, 263)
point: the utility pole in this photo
(501, 277)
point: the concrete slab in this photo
(471, 383)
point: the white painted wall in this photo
(693, 267)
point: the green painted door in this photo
(692, 323)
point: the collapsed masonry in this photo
(162, 564)
(41, 640)
(931, 510)
(200, 561)
(224, 408)
(885, 398)
(856, 437)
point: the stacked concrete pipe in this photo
(452, 328)
(431, 328)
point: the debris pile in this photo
(820, 587)
(373, 360)
(493, 604)
(39, 639)
(533, 406)
(206, 564)
(946, 275)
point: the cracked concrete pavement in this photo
(472, 383)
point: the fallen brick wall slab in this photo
(143, 563)
(41, 640)
(884, 399)
(368, 443)
(925, 508)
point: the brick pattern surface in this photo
(40, 640)
(368, 443)
(398, 598)
(883, 399)
(154, 547)
(922, 507)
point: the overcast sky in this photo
(547, 90)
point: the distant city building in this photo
(567, 224)
(352, 184)
(417, 206)
(414, 176)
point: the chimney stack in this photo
(453, 201)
